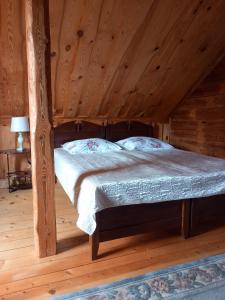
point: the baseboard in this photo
(3, 183)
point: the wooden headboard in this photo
(72, 131)
(123, 130)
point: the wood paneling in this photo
(13, 79)
(7, 141)
(198, 123)
(131, 59)
(114, 59)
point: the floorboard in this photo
(23, 276)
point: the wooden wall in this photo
(13, 78)
(198, 123)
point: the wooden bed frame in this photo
(190, 216)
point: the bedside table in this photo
(17, 180)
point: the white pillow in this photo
(90, 145)
(142, 143)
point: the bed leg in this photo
(186, 218)
(94, 243)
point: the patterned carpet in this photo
(200, 280)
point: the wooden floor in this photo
(22, 276)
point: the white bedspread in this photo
(100, 180)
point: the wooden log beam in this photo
(40, 110)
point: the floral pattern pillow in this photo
(142, 143)
(90, 145)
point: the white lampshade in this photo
(19, 124)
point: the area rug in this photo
(202, 279)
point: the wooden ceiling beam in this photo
(40, 109)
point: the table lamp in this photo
(20, 125)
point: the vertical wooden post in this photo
(40, 110)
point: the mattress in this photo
(97, 181)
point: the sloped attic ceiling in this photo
(115, 58)
(131, 58)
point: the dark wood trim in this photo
(94, 241)
(123, 221)
(189, 216)
(122, 130)
(206, 214)
(74, 131)
(137, 229)
(186, 218)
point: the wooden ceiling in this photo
(116, 59)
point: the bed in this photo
(122, 201)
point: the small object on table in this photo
(18, 180)
(20, 125)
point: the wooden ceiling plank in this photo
(125, 67)
(118, 24)
(70, 14)
(151, 77)
(160, 37)
(56, 12)
(159, 68)
(200, 55)
(82, 55)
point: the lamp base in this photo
(20, 142)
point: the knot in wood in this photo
(80, 33)
(68, 47)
